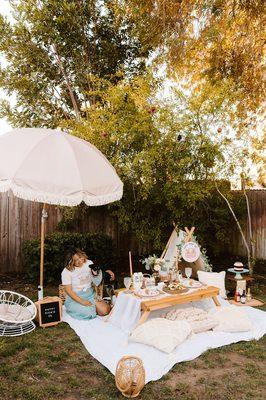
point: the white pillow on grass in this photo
(199, 319)
(231, 319)
(216, 279)
(161, 333)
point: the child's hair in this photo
(69, 259)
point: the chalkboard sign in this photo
(49, 311)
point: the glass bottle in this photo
(243, 297)
(249, 295)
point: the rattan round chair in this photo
(17, 313)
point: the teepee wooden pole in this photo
(189, 233)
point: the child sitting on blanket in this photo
(77, 278)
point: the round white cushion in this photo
(14, 312)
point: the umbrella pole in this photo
(43, 221)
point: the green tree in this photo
(51, 49)
(215, 41)
(164, 153)
(217, 48)
(76, 64)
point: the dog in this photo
(104, 284)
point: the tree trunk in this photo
(250, 265)
(251, 242)
(67, 80)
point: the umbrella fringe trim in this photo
(40, 197)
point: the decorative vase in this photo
(156, 277)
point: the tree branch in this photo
(249, 227)
(67, 80)
(237, 222)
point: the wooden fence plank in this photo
(20, 221)
(4, 233)
(258, 217)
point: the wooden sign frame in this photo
(47, 300)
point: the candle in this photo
(130, 263)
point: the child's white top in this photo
(80, 278)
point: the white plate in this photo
(142, 293)
(195, 284)
(190, 252)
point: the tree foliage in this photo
(165, 157)
(80, 65)
(51, 49)
(215, 41)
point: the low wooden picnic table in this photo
(147, 306)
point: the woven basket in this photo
(130, 376)
(62, 293)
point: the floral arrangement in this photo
(152, 263)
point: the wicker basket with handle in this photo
(130, 376)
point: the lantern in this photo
(130, 376)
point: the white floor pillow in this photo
(216, 279)
(231, 319)
(161, 333)
(199, 319)
(203, 326)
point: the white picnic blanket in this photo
(108, 343)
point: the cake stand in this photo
(238, 273)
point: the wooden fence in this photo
(20, 220)
(257, 200)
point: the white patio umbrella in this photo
(54, 167)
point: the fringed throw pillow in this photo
(161, 333)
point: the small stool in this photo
(231, 278)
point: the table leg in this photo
(216, 301)
(144, 316)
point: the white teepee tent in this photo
(176, 240)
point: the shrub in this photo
(97, 246)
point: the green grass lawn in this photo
(52, 363)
